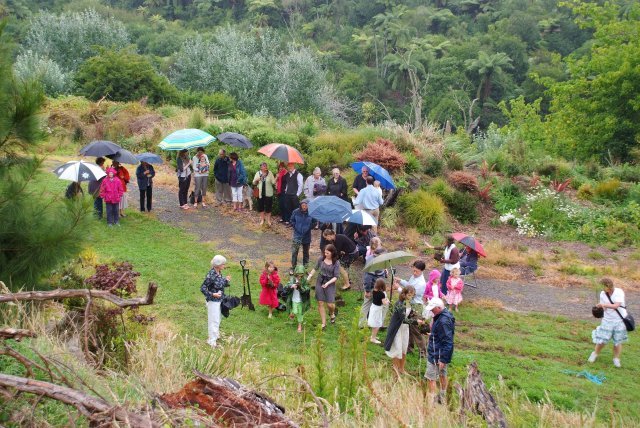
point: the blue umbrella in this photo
(149, 158)
(186, 139)
(329, 209)
(377, 172)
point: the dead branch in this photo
(477, 399)
(15, 333)
(26, 362)
(92, 407)
(86, 293)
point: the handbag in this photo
(628, 321)
(256, 192)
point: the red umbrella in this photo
(470, 242)
(283, 152)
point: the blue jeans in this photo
(113, 213)
(97, 207)
(443, 280)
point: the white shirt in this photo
(610, 315)
(296, 296)
(417, 282)
(447, 253)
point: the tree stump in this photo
(477, 399)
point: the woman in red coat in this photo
(123, 175)
(269, 280)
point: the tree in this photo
(30, 66)
(123, 76)
(488, 67)
(37, 232)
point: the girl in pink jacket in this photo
(111, 192)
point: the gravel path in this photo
(239, 236)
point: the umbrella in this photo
(124, 156)
(186, 139)
(149, 158)
(100, 148)
(360, 217)
(234, 139)
(79, 171)
(386, 261)
(470, 242)
(377, 172)
(329, 209)
(283, 152)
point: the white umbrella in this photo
(79, 171)
(361, 217)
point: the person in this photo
(265, 181)
(183, 169)
(144, 176)
(440, 348)
(302, 223)
(94, 189)
(455, 284)
(468, 260)
(369, 279)
(213, 289)
(378, 311)
(360, 182)
(280, 185)
(397, 340)
(237, 179)
(370, 200)
(337, 185)
(347, 252)
(200, 164)
(362, 237)
(432, 288)
(376, 184)
(451, 260)
(269, 280)
(111, 192)
(73, 190)
(298, 295)
(611, 328)
(292, 188)
(417, 281)
(221, 173)
(328, 268)
(315, 185)
(123, 174)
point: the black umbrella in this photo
(79, 171)
(100, 148)
(124, 156)
(234, 139)
(149, 158)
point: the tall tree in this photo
(488, 67)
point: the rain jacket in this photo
(305, 293)
(221, 169)
(145, 181)
(302, 224)
(398, 317)
(241, 173)
(111, 190)
(440, 348)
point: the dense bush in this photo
(345, 141)
(585, 192)
(433, 166)
(325, 159)
(263, 135)
(609, 189)
(31, 66)
(506, 196)
(441, 188)
(555, 169)
(423, 210)
(455, 162)
(389, 217)
(213, 103)
(626, 172)
(463, 181)
(384, 153)
(463, 206)
(413, 163)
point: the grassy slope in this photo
(528, 351)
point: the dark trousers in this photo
(113, 213)
(443, 280)
(295, 248)
(291, 202)
(97, 207)
(183, 189)
(417, 340)
(146, 194)
(282, 207)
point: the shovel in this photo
(246, 287)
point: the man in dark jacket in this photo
(221, 172)
(94, 190)
(440, 347)
(302, 223)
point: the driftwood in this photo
(83, 292)
(229, 402)
(477, 398)
(15, 333)
(93, 408)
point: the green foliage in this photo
(455, 162)
(30, 66)
(506, 196)
(389, 217)
(609, 189)
(326, 158)
(555, 169)
(413, 163)
(434, 166)
(441, 188)
(423, 210)
(463, 206)
(585, 192)
(214, 103)
(196, 120)
(122, 76)
(626, 172)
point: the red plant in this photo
(485, 170)
(121, 280)
(384, 153)
(463, 181)
(535, 180)
(560, 186)
(484, 192)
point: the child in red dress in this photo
(269, 280)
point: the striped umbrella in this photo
(283, 152)
(79, 171)
(186, 139)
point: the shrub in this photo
(423, 210)
(218, 104)
(463, 206)
(626, 172)
(326, 158)
(433, 166)
(505, 164)
(263, 135)
(389, 217)
(507, 196)
(555, 169)
(196, 120)
(634, 193)
(464, 181)
(585, 192)
(609, 189)
(345, 141)
(384, 153)
(455, 162)
(441, 188)
(413, 164)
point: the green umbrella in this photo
(386, 261)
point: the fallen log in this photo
(15, 333)
(82, 292)
(93, 408)
(476, 398)
(228, 402)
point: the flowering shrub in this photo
(384, 153)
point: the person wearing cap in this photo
(298, 294)
(265, 181)
(302, 223)
(213, 290)
(440, 347)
